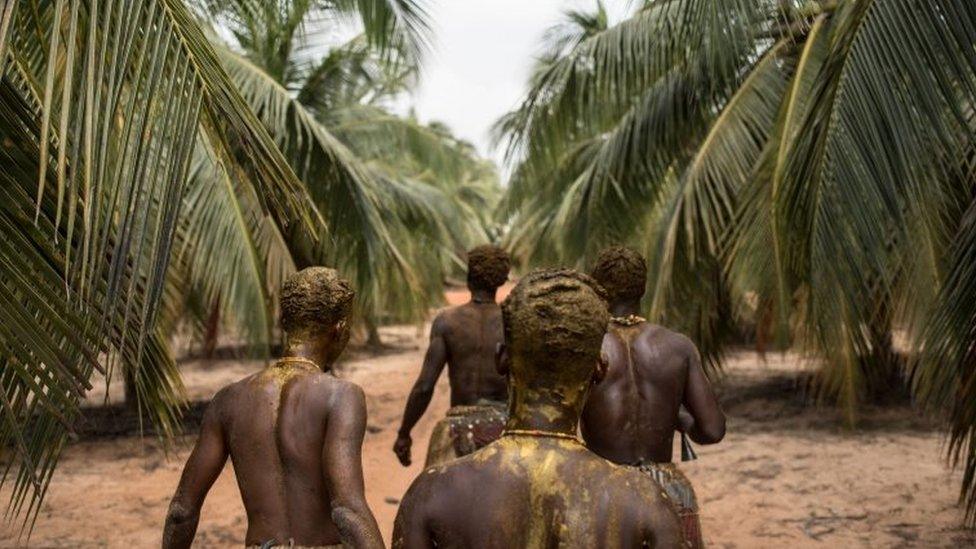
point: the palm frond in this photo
(693, 228)
(944, 376)
(219, 247)
(103, 100)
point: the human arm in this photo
(343, 469)
(201, 470)
(685, 424)
(708, 420)
(423, 389)
(685, 420)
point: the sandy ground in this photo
(786, 475)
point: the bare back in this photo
(274, 423)
(471, 335)
(535, 492)
(633, 413)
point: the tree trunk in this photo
(884, 366)
(373, 340)
(130, 395)
(211, 333)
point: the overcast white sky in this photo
(482, 53)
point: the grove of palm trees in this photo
(800, 176)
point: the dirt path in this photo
(785, 475)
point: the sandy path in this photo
(784, 476)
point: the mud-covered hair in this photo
(313, 298)
(554, 322)
(488, 267)
(622, 272)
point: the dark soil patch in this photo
(784, 401)
(119, 421)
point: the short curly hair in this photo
(316, 297)
(555, 320)
(488, 267)
(622, 272)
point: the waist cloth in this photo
(290, 544)
(466, 429)
(682, 496)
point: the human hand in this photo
(402, 449)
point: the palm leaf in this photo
(104, 99)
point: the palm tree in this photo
(101, 105)
(139, 183)
(802, 165)
(392, 214)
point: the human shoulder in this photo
(443, 320)
(332, 393)
(342, 393)
(625, 485)
(603, 468)
(448, 477)
(433, 485)
(675, 342)
(227, 398)
(232, 391)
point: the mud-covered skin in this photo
(538, 486)
(633, 413)
(471, 334)
(463, 338)
(294, 434)
(631, 416)
(535, 492)
(284, 491)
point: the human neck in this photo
(625, 307)
(307, 349)
(555, 410)
(481, 295)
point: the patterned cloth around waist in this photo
(465, 430)
(290, 544)
(674, 482)
(682, 496)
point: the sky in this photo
(483, 50)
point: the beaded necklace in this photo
(297, 360)
(629, 320)
(540, 434)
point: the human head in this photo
(622, 272)
(488, 267)
(554, 323)
(315, 305)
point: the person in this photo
(538, 485)
(464, 339)
(294, 433)
(653, 372)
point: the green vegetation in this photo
(168, 163)
(800, 168)
(393, 193)
(799, 172)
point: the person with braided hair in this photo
(464, 339)
(654, 375)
